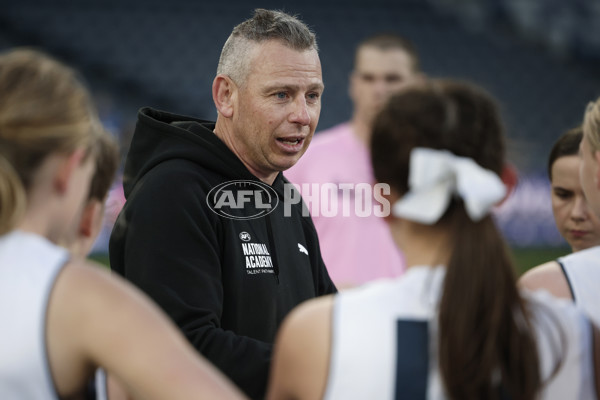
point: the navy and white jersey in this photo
(29, 265)
(384, 341)
(582, 270)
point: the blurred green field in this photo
(524, 258)
(528, 257)
(101, 258)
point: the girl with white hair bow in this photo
(455, 326)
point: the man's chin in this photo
(289, 160)
(285, 166)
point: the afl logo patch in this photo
(242, 199)
(245, 236)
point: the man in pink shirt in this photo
(335, 175)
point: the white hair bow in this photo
(437, 175)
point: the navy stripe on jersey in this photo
(564, 271)
(412, 359)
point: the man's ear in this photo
(65, 169)
(224, 91)
(510, 178)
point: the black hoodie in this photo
(227, 283)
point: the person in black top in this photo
(208, 229)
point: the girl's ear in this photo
(66, 168)
(224, 91)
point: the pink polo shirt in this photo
(356, 243)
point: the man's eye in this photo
(281, 95)
(313, 96)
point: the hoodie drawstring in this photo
(273, 247)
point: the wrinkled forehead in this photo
(276, 58)
(274, 47)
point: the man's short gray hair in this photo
(264, 25)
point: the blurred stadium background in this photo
(539, 58)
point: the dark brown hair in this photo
(484, 329)
(566, 145)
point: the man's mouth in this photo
(290, 141)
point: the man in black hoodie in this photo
(208, 229)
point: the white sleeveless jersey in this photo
(384, 342)
(582, 270)
(29, 265)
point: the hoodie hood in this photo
(161, 136)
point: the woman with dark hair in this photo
(455, 326)
(574, 219)
(581, 269)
